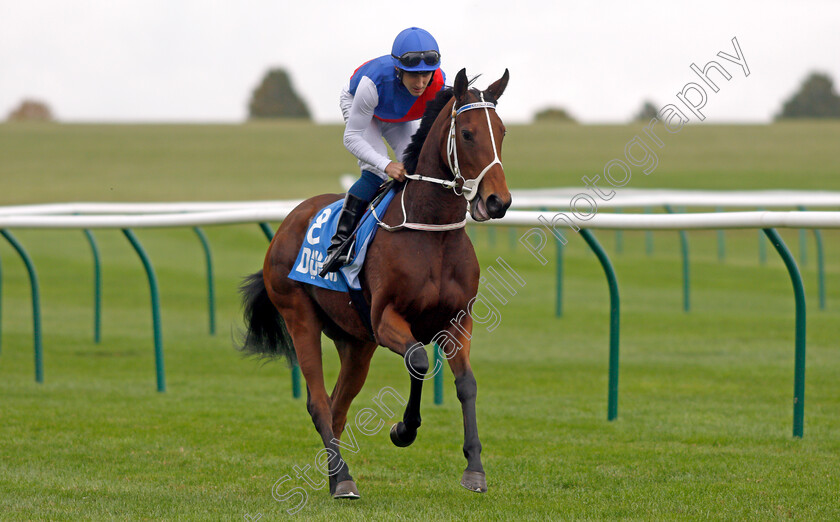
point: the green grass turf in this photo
(705, 407)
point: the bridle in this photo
(468, 187)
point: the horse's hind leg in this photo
(304, 327)
(355, 358)
(394, 332)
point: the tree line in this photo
(815, 99)
(275, 97)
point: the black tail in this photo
(266, 335)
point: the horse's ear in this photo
(498, 87)
(461, 84)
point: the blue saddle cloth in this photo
(313, 251)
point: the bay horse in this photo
(419, 278)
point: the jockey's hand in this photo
(396, 171)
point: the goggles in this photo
(413, 59)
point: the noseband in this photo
(468, 187)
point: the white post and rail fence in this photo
(546, 222)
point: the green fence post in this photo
(296, 381)
(491, 236)
(820, 268)
(155, 294)
(648, 236)
(36, 303)
(439, 375)
(612, 281)
(558, 296)
(803, 253)
(686, 272)
(266, 228)
(97, 287)
(799, 358)
(211, 294)
(269, 234)
(558, 301)
(685, 265)
(803, 242)
(512, 238)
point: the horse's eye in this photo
(467, 135)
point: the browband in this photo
(476, 105)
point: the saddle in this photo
(313, 250)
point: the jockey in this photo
(386, 98)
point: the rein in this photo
(469, 187)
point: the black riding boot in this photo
(348, 219)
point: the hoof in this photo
(346, 489)
(399, 436)
(474, 481)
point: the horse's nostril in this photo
(495, 206)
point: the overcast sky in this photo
(191, 60)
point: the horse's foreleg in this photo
(465, 385)
(394, 332)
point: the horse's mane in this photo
(433, 108)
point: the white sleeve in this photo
(359, 118)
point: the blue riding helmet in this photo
(415, 50)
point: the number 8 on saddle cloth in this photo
(313, 251)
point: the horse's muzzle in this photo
(496, 206)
